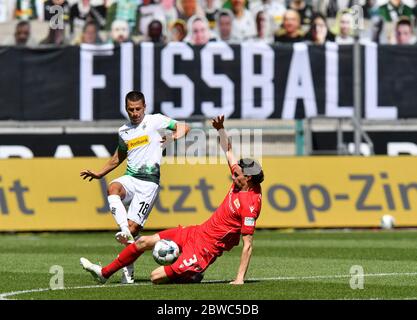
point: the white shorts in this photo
(140, 197)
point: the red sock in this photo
(126, 257)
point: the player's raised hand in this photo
(88, 174)
(217, 122)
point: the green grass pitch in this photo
(284, 265)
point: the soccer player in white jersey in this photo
(141, 143)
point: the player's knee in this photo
(115, 189)
(112, 190)
(141, 242)
(145, 242)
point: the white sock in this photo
(130, 268)
(119, 212)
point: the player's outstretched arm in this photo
(244, 259)
(118, 157)
(180, 130)
(224, 139)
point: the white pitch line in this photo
(4, 296)
(339, 276)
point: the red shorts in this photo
(194, 258)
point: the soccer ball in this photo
(165, 252)
(387, 222)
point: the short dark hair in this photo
(134, 96)
(404, 21)
(224, 13)
(22, 23)
(90, 23)
(155, 21)
(259, 178)
(318, 15)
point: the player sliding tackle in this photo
(141, 143)
(201, 245)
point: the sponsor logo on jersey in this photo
(137, 142)
(251, 208)
(237, 203)
(249, 221)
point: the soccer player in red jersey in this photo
(201, 245)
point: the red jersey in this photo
(235, 216)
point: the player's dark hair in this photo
(259, 178)
(22, 23)
(224, 13)
(404, 21)
(90, 23)
(134, 96)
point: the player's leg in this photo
(191, 263)
(145, 243)
(128, 272)
(134, 227)
(120, 193)
(172, 274)
(141, 205)
(176, 273)
(130, 254)
(143, 196)
(159, 276)
(125, 258)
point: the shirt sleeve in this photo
(122, 145)
(250, 211)
(164, 122)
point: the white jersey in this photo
(244, 28)
(143, 145)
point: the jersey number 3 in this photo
(190, 261)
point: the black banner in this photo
(41, 84)
(392, 143)
(251, 80)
